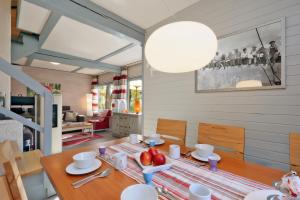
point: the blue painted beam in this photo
(50, 24)
(48, 113)
(28, 46)
(29, 60)
(82, 12)
(55, 57)
(21, 119)
(62, 55)
(23, 78)
(99, 9)
(117, 51)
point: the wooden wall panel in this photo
(267, 116)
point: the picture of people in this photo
(250, 59)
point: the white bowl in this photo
(199, 192)
(138, 192)
(84, 159)
(204, 150)
(155, 137)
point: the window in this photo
(109, 96)
(102, 97)
(135, 95)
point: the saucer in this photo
(196, 156)
(71, 169)
(161, 141)
(262, 194)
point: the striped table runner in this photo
(224, 185)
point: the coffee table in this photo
(83, 126)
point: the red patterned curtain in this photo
(95, 98)
(119, 94)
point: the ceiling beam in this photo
(50, 24)
(56, 57)
(28, 46)
(95, 16)
(117, 51)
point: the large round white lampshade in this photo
(181, 47)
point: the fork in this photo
(103, 174)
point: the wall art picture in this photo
(248, 59)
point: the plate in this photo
(151, 167)
(138, 192)
(161, 141)
(261, 194)
(196, 156)
(71, 169)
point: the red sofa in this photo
(101, 121)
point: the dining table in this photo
(111, 187)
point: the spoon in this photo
(102, 175)
(164, 192)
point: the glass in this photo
(213, 162)
(135, 94)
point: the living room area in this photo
(86, 101)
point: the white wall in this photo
(268, 116)
(5, 27)
(73, 93)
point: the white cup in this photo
(199, 192)
(133, 138)
(204, 150)
(84, 159)
(174, 151)
(119, 161)
(155, 137)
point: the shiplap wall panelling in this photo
(268, 116)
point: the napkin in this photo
(291, 182)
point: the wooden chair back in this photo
(227, 138)
(173, 130)
(295, 151)
(7, 158)
(4, 188)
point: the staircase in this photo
(45, 128)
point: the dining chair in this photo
(11, 171)
(4, 188)
(27, 162)
(295, 151)
(172, 130)
(227, 138)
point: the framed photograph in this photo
(247, 60)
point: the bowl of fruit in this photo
(153, 159)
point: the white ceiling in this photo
(48, 65)
(78, 39)
(126, 57)
(32, 18)
(90, 71)
(145, 13)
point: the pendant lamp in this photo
(181, 47)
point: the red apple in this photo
(159, 159)
(146, 158)
(153, 151)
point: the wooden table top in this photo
(112, 186)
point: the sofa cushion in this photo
(70, 117)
